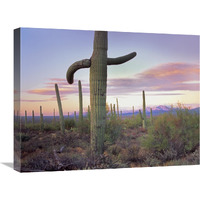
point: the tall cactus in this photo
(98, 84)
(117, 107)
(41, 120)
(144, 108)
(142, 118)
(75, 116)
(89, 113)
(25, 119)
(80, 102)
(33, 118)
(114, 111)
(151, 116)
(133, 111)
(111, 110)
(61, 118)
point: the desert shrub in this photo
(84, 127)
(130, 154)
(70, 123)
(23, 137)
(52, 127)
(114, 149)
(133, 122)
(173, 134)
(114, 129)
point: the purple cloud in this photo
(165, 77)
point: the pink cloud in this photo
(165, 77)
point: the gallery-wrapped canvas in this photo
(100, 100)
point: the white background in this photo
(156, 16)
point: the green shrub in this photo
(70, 123)
(23, 137)
(114, 129)
(134, 122)
(52, 127)
(173, 134)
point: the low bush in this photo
(114, 127)
(133, 122)
(173, 134)
(70, 123)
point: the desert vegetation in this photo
(104, 137)
(171, 139)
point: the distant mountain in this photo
(156, 110)
(159, 108)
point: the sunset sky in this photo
(166, 67)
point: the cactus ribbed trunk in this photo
(61, 118)
(98, 83)
(80, 102)
(133, 111)
(144, 109)
(98, 80)
(117, 108)
(25, 118)
(41, 120)
(33, 118)
(89, 113)
(151, 116)
(114, 112)
(111, 110)
(75, 116)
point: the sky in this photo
(166, 68)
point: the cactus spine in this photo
(41, 120)
(144, 109)
(25, 118)
(61, 118)
(80, 102)
(98, 83)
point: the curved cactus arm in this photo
(120, 60)
(85, 63)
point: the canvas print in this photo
(100, 99)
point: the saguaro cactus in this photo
(89, 113)
(111, 110)
(61, 118)
(33, 118)
(41, 120)
(114, 111)
(98, 83)
(133, 111)
(144, 109)
(80, 102)
(117, 107)
(151, 116)
(25, 118)
(142, 118)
